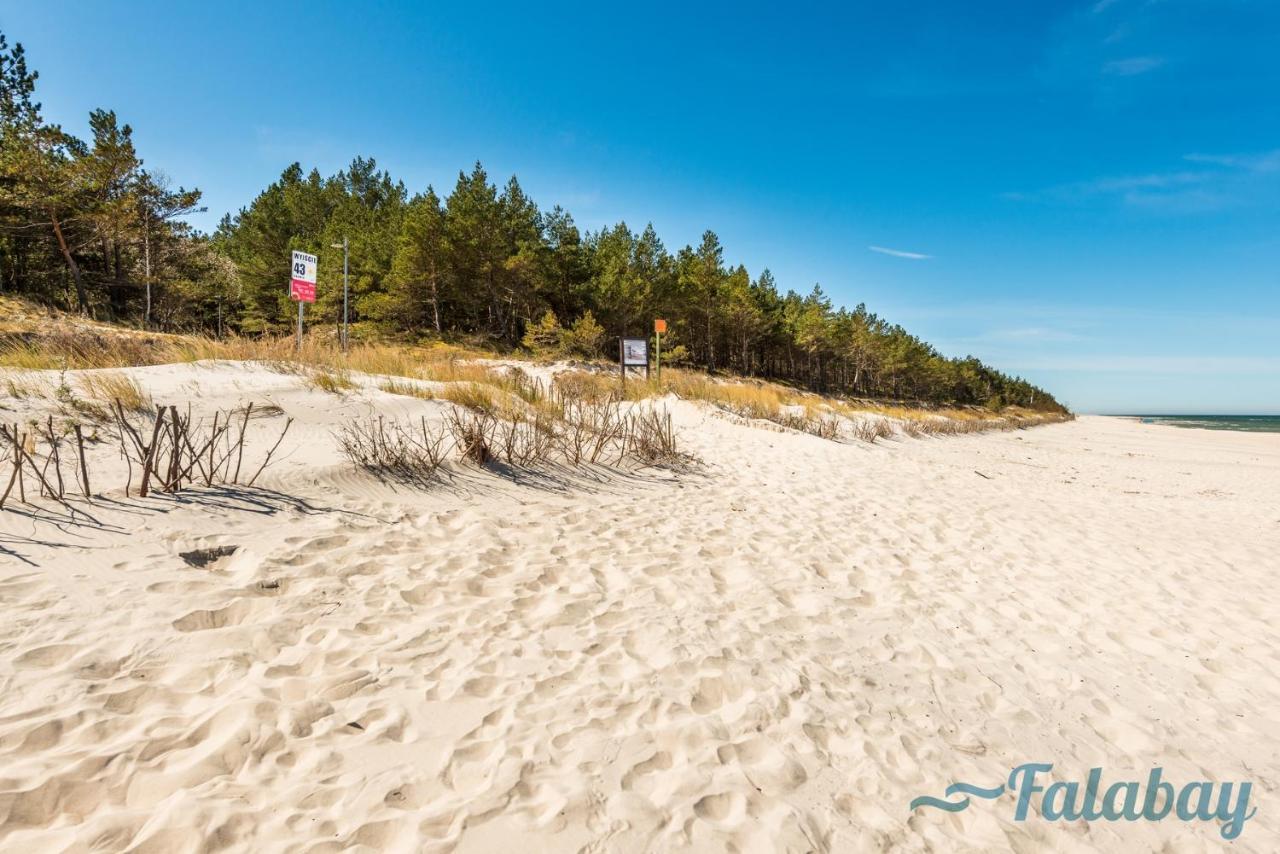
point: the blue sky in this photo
(1094, 186)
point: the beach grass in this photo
(108, 387)
(473, 381)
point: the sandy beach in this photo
(777, 650)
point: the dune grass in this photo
(483, 387)
(807, 412)
(110, 348)
(20, 386)
(471, 395)
(407, 389)
(331, 381)
(106, 387)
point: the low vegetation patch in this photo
(166, 449)
(407, 389)
(554, 428)
(331, 381)
(107, 387)
(407, 451)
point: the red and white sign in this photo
(302, 281)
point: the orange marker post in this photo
(659, 327)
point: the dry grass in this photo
(83, 345)
(748, 399)
(107, 387)
(828, 418)
(407, 389)
(586, 386)
(455, 371)
(505, 392)
(331, 381)
(471, 395)
(21, 387)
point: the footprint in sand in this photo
(47, 656)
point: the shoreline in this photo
(1151, 421)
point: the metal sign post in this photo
(302, 284)
(345, 288)
(633, 352)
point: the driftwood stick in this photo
(287, 424)
(213, 439)
(128, 461)
(17, 465)
(56, 455)
(148, 459)
(17, 455)
(84, 468)
(174, 481)
(45, 486)
(248, 410)
(127, 429)
(195, 456)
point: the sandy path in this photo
(776, 653)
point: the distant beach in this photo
(1244, 423)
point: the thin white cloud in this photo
(899, 253)
(1132, 65)
(1178, 365)
(1267, 161)
(1102, 5)
(1181, 191)
(1043, 334)
(1127, 183)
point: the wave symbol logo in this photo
(957, 789)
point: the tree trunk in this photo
(146, 261)
(435, 304)
(81, 296)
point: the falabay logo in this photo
(1121, 801)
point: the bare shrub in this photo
(176, 451)
(472, 433)
(651, 438)
(824, 427)
(524, 440)
(871, 429)
(591, 431)
(576, 432)
(409, 452)
(21, 450)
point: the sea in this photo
(1246, 423)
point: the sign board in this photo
(659, 326)
(302, 277)
(635, 351)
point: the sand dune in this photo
(776, 651)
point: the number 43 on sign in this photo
(302, 279)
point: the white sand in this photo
(775, 653)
